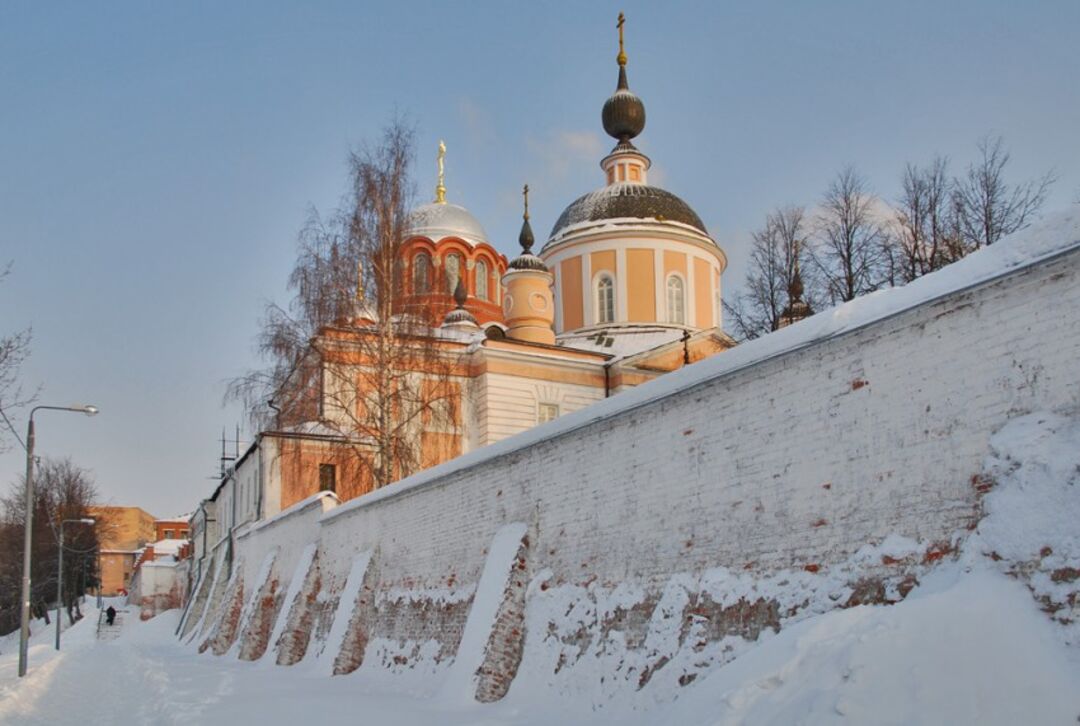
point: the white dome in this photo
(436, 221)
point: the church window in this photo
(482, 280)
(453, 272)
(676, 300)
(327, 478)
(605, 299)
(547, 412)
(169, 534)
(421, 272)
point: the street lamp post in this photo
(24, 616)
(60, 574)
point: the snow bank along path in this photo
(833, 464)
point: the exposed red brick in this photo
(1065, 574)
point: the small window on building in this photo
(453, 272)
(547, 412)
(169, 534)
(605, 299)
(676, 300)
(482, 280)
(421, 272)
(635, 174)
(327, 478)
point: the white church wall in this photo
(511, 402)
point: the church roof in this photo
(626, 200)
(436, 221)
(623, 117)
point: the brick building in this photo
(122, 532)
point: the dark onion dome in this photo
(459, 315)
(624, 113)
(624, 200)
(526, 260)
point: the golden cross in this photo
(622, 53)
(440, 188)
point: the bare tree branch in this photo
(849, 249)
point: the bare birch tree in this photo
(775, 249)
(926, 236)
(356, 352)
(850, 245)
(988, 206)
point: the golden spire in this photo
(621, 58)
(360, 281)
(525, 193)
(440, 188)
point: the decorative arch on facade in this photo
(439, 290)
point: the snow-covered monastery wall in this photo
(644, 538)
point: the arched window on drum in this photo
(482, 280)
(605, 299)
(676, 300)
(453, 271)
(421, 273)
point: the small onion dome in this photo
(797, 308)
(624, 112)
(527, 260)
(436, 221)
(459, 317)
(624, 200)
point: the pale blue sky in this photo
(157, 159)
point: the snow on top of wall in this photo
(1058, 234)
(177, 519)
(169, 546)
(160, 563)
(328, 500)
(310, 428)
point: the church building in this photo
(626, 287)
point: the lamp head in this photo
(90, 410)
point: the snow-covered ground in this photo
(974, 643)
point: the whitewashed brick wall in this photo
(800, 459)
(792, 464)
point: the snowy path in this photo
(966, 647)
(146, 676)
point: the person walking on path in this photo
(110, 615)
